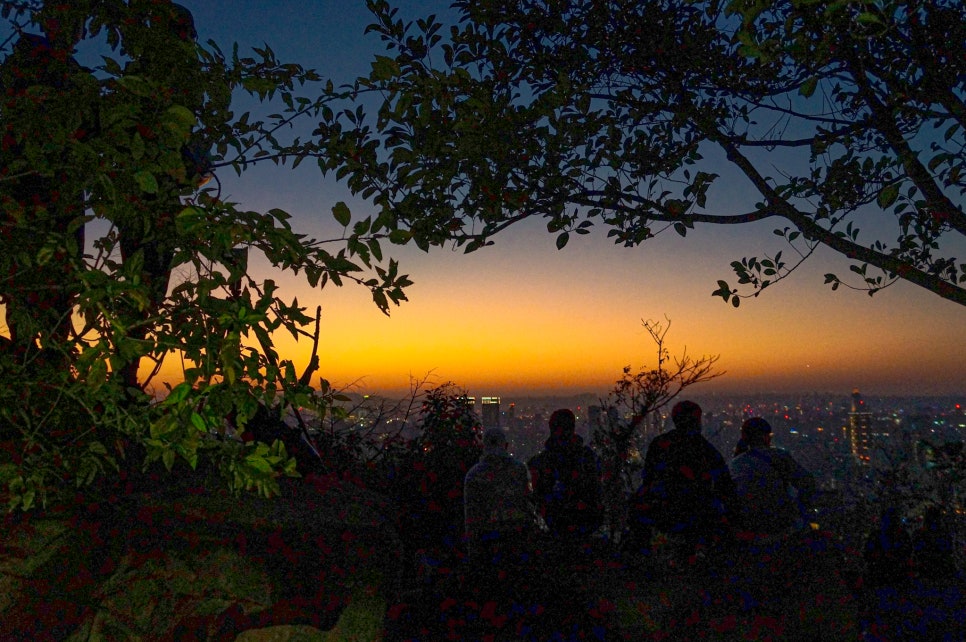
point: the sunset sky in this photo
(523, 317)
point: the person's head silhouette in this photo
(756, 432)
(562, 424)
(686, 415)
(494, 441)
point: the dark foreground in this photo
(203, 568)
(808, 588)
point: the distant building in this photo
(491, 411)
(860, 429)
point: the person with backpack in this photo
(566, 480)
(774, 544)
(774, 490)
(496, 494)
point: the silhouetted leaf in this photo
(341, 213)
(808, 87)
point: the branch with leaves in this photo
(634, 400)
(117, 256)
(606, 113)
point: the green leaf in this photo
(750, 51)
(808, 87)
(681, 229)
(888, 195)
(258, 463)
(137, 86)
(181, 115)
(146, 181)
(178, 394)
(199, 422)
(167, 457)
(341, 213)
(400, 237)
(137, 146)
(44, 255)
(384, 68)
(97, 448)
(562, 240)
(97, 375)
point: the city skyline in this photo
(523, 317)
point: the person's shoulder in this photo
(782, 457)
(741, 461)
(476, 470)
(750, 463)
(662, 441)
(710, 449)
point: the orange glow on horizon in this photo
(512, 336)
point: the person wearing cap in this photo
(496, 493)
(773, 489)
(686, 488)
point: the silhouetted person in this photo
(496, 495)
(888, 551)
(888, 566)
(932, 547)
(773, 489)
(686, 489)
(566, 480)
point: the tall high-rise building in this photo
(860, 429)
(491, 411)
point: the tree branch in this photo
(941, 205)
(837, 241)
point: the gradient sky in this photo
(523, 317)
